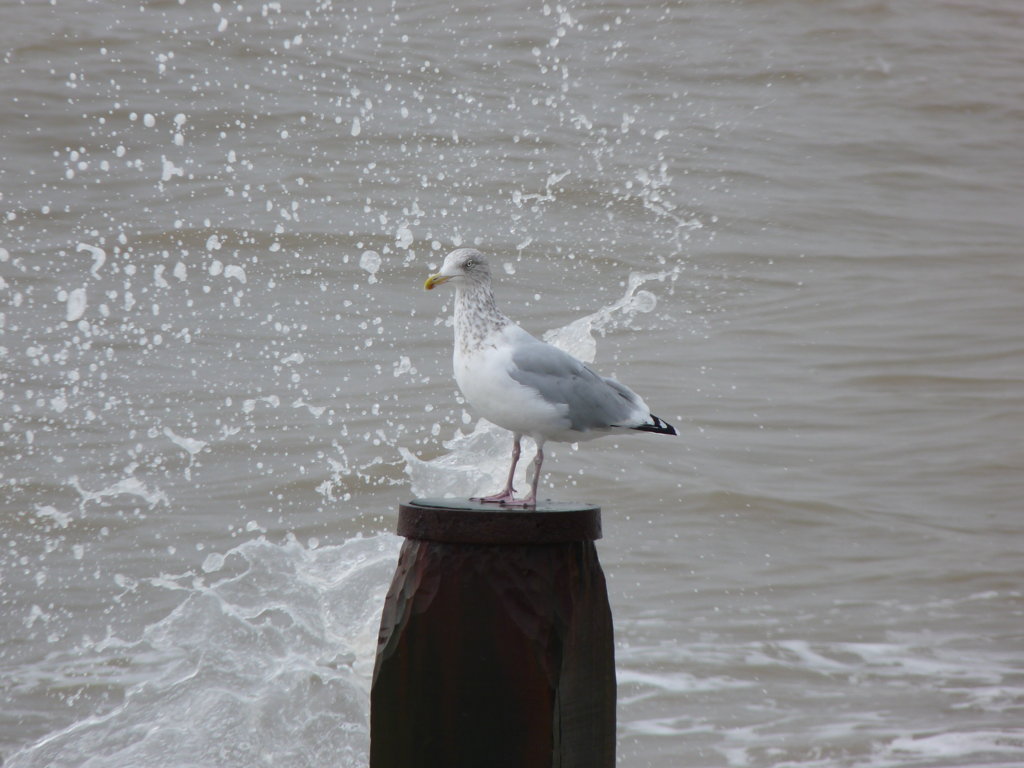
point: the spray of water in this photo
(265, 661)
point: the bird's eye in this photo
(470, 263)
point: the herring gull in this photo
(525, 385)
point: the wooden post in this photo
(495, 646)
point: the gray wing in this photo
(594, 402)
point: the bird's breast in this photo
(483, 376)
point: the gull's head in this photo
(466, 266)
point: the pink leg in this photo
(531, 500)
(508, 495)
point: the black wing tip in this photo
(657, 426)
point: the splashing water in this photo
(268, 664)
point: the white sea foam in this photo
(235, 272)
(76, 304)
(474, 464)
(370, 261)
(847, 724)
(249, 405)
(45, 511)
(577, 337)
(158, 276)
(316, 411)
(403, 237)
(168, 170)
(99, 256)
(968, 746)
(129, 486)
(191, 445)
(268, 664)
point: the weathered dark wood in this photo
(498, 655)
(471, 522)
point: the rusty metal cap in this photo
(470, 522)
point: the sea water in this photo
(793, 227)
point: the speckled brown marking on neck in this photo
(476, 316)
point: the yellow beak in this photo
(435, 280)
